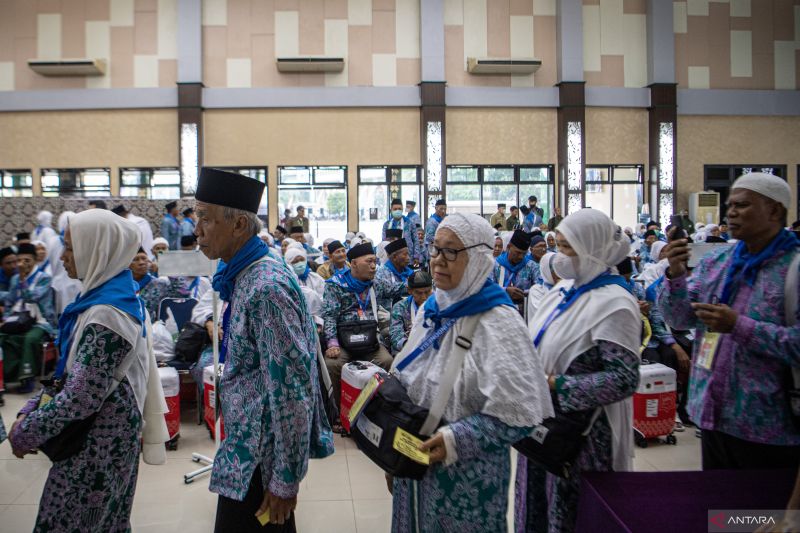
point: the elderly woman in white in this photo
(106, 370)
(587, 338)
(500, 391)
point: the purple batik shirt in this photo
(745, 394)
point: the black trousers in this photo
(723, 451)
(240, 517)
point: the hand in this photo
(435, 445)
(716, 317)
(684, 363)
(551, 381)
(390, 483)
(17, 422)
(279, 509)
(515, 293)
(678, 253)
(644, 307)
(333, 352)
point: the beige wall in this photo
(735, 140)
(85, 139)
(616, 136)
(485, 136)
(615, 43)
(348, 137)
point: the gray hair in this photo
(252, 220)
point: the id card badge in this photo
(708, 349)
(364, 396)
(407, 444)
(44, 399)
(361, 314)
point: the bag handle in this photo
(463, 345)
(790, 304)
(373, 302)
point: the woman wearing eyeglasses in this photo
(500, 392)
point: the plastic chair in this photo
(181, 310)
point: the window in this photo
(76, 182)
(377, 186)
(719, 178)
(616, 190)
(14, 183)
(479, 188)
(322, 191)
(151, 183)
(256, 173)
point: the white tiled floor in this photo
(344, 493)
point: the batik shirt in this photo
(153, 293)
(340, 305)
(400, 325)
(387, 281)
(413, 216)
(38, 290)
(745, 394)
(269, 390)
(187, 227)
(430, 231)
(659, 329)
(409, 234)
(171, 230)
(523, 280)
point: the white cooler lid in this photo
(170, 381)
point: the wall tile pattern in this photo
(615, 43)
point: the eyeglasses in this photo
(450, 254)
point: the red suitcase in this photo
(355, 376)
(209, 399)
(654, 404)
(171, 383)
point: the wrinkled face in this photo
(68, 256)
(441, 210)
(515, 255)
(401, 259)
(339, 257)
(298, 259)
(751, 215)
(447, 274)
(214, 233)
(420, 295)
(41, 253)
(299, 237)
(539, 250)
(650, 240)
(26, 262)
(9, 264)
(140, 265)
(498, 247)
(364, 267)
(160, 248)
(551, 241)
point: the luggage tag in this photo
(408, 445)
(708, 349)
(364, 396)
(263, 519)
(44, 399)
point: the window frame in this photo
(611, 182)
(11, 172)
(150, 186)
(734, 171)
(313, 186)
(78, 192)
(393, 188)
(265, 198)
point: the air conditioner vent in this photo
(503, 65)
(68, 67)
(310, 64)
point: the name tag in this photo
(408, 445)
(708, 349)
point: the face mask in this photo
(300, 268)
(397, 213)
(564, 266)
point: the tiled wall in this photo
(737, 44)
(379, 40)
(137, 38)
(615, 43)
(19, 214)
(500, 28)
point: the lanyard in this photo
(571, 296)
(226, 322)
(511, 280)
(425, 344)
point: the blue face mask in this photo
(300, 268)
(397, 213)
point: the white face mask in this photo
(564, 266)
(299, 268)
(397, 213)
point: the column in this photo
(571, 146)
(663, 133)
(190, 93)
(433, 127)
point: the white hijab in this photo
(45, 218)
(546, 269)
(608, 313)
(472, 230)
(104, 245)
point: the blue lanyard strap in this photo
(363, 303)
(425, 344)
(572, 295)
(226, 322)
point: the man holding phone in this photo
(744, 351)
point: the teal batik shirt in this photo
(269, 391)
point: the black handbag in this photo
(359, 338)
(557, 441)
(389, 412)
(192, 339)
(18, 322)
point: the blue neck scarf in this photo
(404, 275)
(437, 218)
(118, 292)
(746, 266)
(304, 276)
(651, 292)
(394, 223)
(225, 278)
(144, 281)
(347, 281)
(491, 295)
(503, 261)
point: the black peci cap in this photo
(229, 189)
(395, 246)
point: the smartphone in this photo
(700, 249)
(676, 231)
(675, 221)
